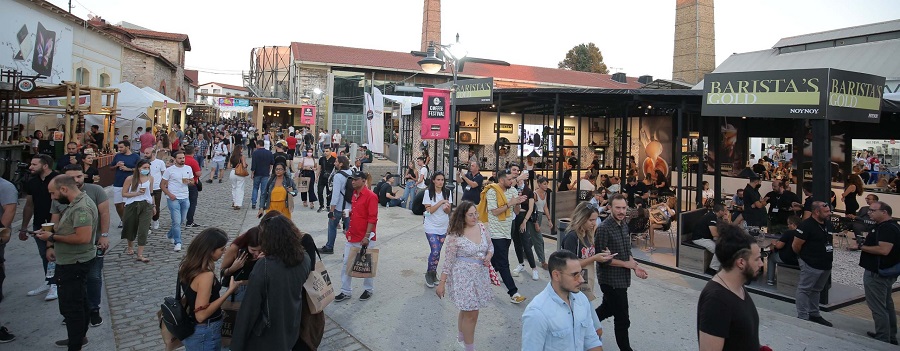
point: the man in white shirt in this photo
(136, 140)
(157, 167)
(220, 151)
(336, 139)
(175, 181)
(423, 173)
(322, 136)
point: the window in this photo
(82, 76)
(217, 91)
(204, 91)
(104, 80)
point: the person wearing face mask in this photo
(138, 193)
(754, 206)
(726, 316)
(240, 258)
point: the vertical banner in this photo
(308, 114)
(435, 113)
(375, 121)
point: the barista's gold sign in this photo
(805, 93)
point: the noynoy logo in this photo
(804, 111)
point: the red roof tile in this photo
(390, 60)
(159, 35)
(229, 86)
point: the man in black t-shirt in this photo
(727, 319)
(472, 183)
(705, 233)
(881, 250)
(813, 245)
(635, 189)
(782, 252)
(325, 168)
(782, 202)
(37, 203)
(754, 207)
(383, 188)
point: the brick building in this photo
(153, 59)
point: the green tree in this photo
(584, 58)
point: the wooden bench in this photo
(787, 275)
(691, 256)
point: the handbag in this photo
(312, 325)
(241, 170)
(303, 185)
(364, 262)
(230, 310)
(172, 343)
(495, 278)
(319, 289)
(175, 317)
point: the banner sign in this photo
(822, 93)
(308, 114)
(234, 102)
(435, 113)
(472, 91)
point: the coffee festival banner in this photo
(821, 93)
(435, 113)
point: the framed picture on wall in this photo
(505, 128)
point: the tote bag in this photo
(303, 184)
(364, 262)
(319, 289)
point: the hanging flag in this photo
(435, 113)
(376, 122)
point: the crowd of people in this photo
(70, 224)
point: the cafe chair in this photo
(640, 229)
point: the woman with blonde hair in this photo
(579, 236)
(465, 274)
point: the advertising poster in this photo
(308, 114)
(436, 114)
(35, 44)
(655, 155)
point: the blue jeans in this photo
(207, 337)
(409, 193)
(178, 209)
(42, 251)
(200, 159)
(94, 282)
(332, 227)
(258, 183)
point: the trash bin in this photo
(561, 225)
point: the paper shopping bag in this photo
(589, 274)
(319, 290)
(229, 317)
(362, 262)
(303, 184)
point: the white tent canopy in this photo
(159, 96)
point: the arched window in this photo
(82, 76)
(162, 87)
(104, 80)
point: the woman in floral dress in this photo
(466, 265)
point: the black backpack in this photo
(175, 316)
(347, 193)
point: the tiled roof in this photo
(229, 86)
(403, 61)
(192, 76)
(159, 35)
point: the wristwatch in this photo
(105, 235)
(50, 238)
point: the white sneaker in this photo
(534, 274)
(517, 270)
(517, 298)
(52, 295)
(172, 241)
(155, 225)
(39, 290)
(177, 247)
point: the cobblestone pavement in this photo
(136, 289)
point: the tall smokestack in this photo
(695, 40)
(431, 23)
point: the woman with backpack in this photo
(201, 289)
(437, 201)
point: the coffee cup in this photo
(142, 189)
(47, 227)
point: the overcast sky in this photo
(635, 36)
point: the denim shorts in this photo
(207, 337)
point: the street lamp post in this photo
(432, 64)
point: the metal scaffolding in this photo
(269, 75)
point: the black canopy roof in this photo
(585, 102)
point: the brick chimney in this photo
(431, 23)
(695, 40)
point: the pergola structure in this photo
(80, 100)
